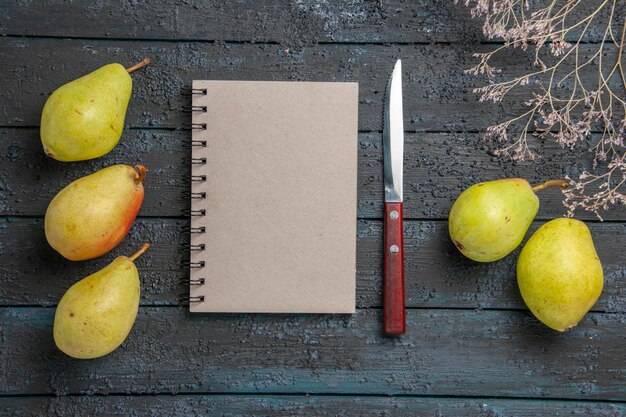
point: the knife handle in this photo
(393, 292)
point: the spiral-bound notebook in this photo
(274, 170)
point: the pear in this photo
(84, 118)
(559, 273)
(96, 314)
(490, 219)
(92, 215)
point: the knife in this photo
(393, 148)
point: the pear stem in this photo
(138, 65)
(141, 172)
(552, 183)
(140, 252)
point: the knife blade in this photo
(394, 322)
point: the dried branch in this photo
(576, 92)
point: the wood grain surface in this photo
(242, 405)
(437, 168)
(436, 274)
(278, 21)
(438, 95)
(444, 352)
(471, 348)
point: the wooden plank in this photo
(438, 167)
(437, 275)
(287, 22)
(438, 95)
(37, 275)
(444, 352)
(29, 179)
(295, 406)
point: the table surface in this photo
(471, 347)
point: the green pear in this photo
(559, 273)
(490, 219)
(96, 314)
(84, 118)
(92, 215)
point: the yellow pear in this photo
(84, 118)
(490, 219)
(559, 273)
(92, 215)
(96, 314)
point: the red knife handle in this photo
(393, 291)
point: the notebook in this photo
(274, 196)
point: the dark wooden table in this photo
(471, 349)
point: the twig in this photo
(566, 108)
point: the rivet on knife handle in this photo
(393, 301)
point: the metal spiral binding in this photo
(189, 264)
(192, 281)
(193, 230)
(187, 298)
(193, 126)
(191, 299)
(188, 160)
(195, 144)
(194, 109)
(194, 213)
(185, 196)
